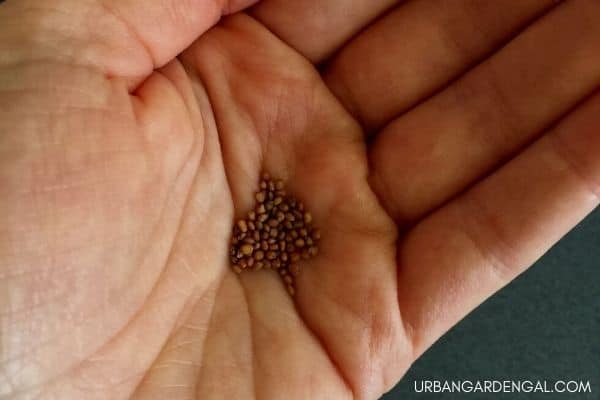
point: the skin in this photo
(442, 148)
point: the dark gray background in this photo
(544, 325)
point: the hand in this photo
(428, 153)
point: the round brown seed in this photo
(279, 232)
(307, 217)
(242, 225)
(291, 290)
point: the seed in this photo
(307, 217)
(291, 290)
(276, 234)
(242, 225)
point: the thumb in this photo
(125, 38)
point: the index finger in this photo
(317, 28)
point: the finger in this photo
(467, 250)
(316, 28)
(125, 38)
(418, 48)
(447, 143)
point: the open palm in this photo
(426, 147)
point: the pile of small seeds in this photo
(275, 235)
